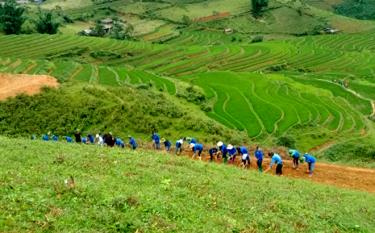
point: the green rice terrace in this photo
(266, 89)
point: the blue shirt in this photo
(223, 149)
(243, 150)
(69, 139)
(178, 144)
(276, 159)
(91, 138)
(232, 151)
(259, 154)
(212, 151)
(55, 138)
(45, 137)
(295, 153)
(132, 142)
(167, 143)
(84, 140)
(193, 140)
(198, 147)
(119, 142)
(309, 158)
(156, 138)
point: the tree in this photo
(98, 30)
(121, 32)
(11, 17)
(46, 23)
(257, 7)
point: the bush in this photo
(286, 141)
(257, 39)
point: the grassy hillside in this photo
(122, 110)
(161, 21)
(122, 191)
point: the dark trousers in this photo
(259, 163)
(279, 169)
(295, 161)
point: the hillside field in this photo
(121, 191)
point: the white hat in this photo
(220, 143)
(230, 147)
(192, 145)
(97, 136)
(181, 141)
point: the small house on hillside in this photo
(107, 24)
(228, 30)
(331, 30)
(22, 2)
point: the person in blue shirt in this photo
(45, 137)
(295, 155)
(132, 143)
(179, 144)
(68, 139)
(193, 140)
(197, 149)
(156, 140)
(212, 151)
(276, 159)
(55, 138)
(232, 153)
(223, 151)
(310, 160)
(119, 142)
(167, 144)
(259, 156)
(84, 140)
(245, 156)
(91, 138)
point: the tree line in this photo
(13, 17)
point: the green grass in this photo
(119, 190)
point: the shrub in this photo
(286, 141)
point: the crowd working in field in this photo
(227, 153)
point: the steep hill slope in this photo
(58, 187)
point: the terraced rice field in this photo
(237, 78)
(265, 105)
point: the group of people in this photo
(228, 153)
(106, 139)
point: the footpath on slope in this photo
(14, 84)
(336, 175)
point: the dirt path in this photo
(335, 175)
(14, 84)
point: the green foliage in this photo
(360, 9)
(258, 7)
(257, 39)
(97, 109)
(286, 141)
(186, 20)
(11, 17)
(359, 151)
(47, 22)
(118, 190)
(122, 32)
(98, 30)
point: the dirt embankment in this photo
(15, 84)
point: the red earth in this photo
(212, 17)
(15, 84)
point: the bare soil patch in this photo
(14, 84)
